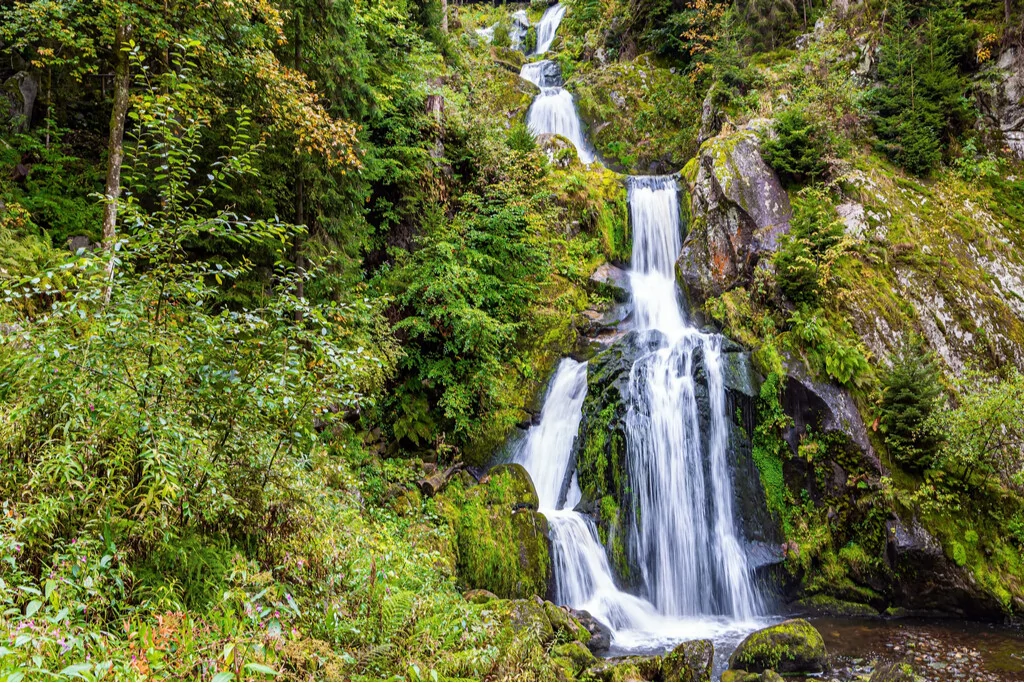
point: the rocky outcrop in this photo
(739, 210)
(794, 646)
(689, 661)
(600, 635)
(1002, 104)
(825, 408)
(926, 580)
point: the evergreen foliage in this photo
(911, 394)
(797, 149)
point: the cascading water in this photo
(685, 541)
(695, 575)
(553, 111)
(548, 26)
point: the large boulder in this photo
(502, 541)
(689, 661)
(794, 646)
(928, 581)
(634, 668)
(739, 210)
(600, 635)
(1002, 104)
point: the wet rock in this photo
(479, 596)
(564, 623)
(794, 646)
(738, 676)
(689, 661)
(600, 635)
(739, 210)
(612, 281)
(519, 29)
(929, 581)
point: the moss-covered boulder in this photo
(689, 661)
(576, 655)
(600, 636)
(635, 668)
(502, 541)
(511, 483)
(741, 676)
(894, 671)
(566, 626)
(794, 646)
(479, 596)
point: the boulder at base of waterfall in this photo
(503, 544)
(741, 676)
(612, 282)
(689, 661)
(563, 621)
(600, 635)
(559, 149)
(635, 668)
(575, 656)
(739, 209)
(794, 646)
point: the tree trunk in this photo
(444, 15)
(115, 143)
(1007, 10)
(300, 184)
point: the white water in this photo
(685, 543)
(548, 26)
(553, 111)
(696, 580)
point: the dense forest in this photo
(283, 284)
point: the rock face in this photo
(1003, 106)
(927, 580)
(739, 209)
(794, 646)
(689, 661)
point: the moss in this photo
(502, 546)
(577, 654)
(689, 661)
(826, 604)
(792, 646)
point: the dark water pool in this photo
(939, 650)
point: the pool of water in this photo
(939, 650)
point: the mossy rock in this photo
(794, 646)
(770, 675)
(567, 627)
(511, 483)
(502, 542)
(634, 668)
(827, 605)
(479, 596)
(739, 676)
(528, 615)
(577, 654)
(689, 661)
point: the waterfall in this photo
(583, 578)
(684, 538)
(696, 581)
(553, 111)
(548, 26)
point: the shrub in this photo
(910, 395)
(797, 152)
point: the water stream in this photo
(696, 582)
(548, 26)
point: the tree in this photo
(910, 396)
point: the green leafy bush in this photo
(910, 395)
(798, 148)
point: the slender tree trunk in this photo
(300, 183)
(115, 143)
(444, 15)
(1007, 10)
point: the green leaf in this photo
(260, 669)
(223, 676)
(32, 608)
(76, 670)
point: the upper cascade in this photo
(553, 112)
(547, 27)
